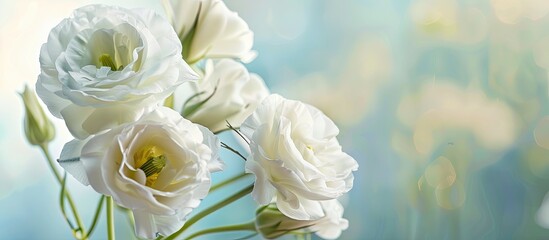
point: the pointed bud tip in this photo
(38, 128)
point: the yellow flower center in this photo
(107, 61)
(151, 160)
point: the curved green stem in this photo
(110, 218)
(62, 205)
(228, 181)
(250, 226)
(212, 209)
(96, 215)
(72, 205)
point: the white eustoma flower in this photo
(296, 157)
(227, 93)
(158, 166)
(108, 65)
(208, 29)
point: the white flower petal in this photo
(331, 226)
(215, 164)
(70, 160)
(217, 31)
(236, 94)
(263, 191)
(304, 209)
(145, 226)
(294, 149)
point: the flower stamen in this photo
(153, 165)
(151, 162)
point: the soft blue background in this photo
(381, 70)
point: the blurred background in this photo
(444, 104)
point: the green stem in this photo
(250, 226)
(237, 131)
(62, 206)
(110, 218)
(223, 145)
(228, 181)
(96, 215)
(72, 205)
(212, 209)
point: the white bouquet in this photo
(145, 97)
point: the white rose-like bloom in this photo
(237, 94)
(159, 167)
(296, 157)
(333, 223)
(107, 65)
(208, 29)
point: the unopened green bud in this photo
(38, 128)
(271, 223)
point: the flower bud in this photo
(38, 128)
(271, 223)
